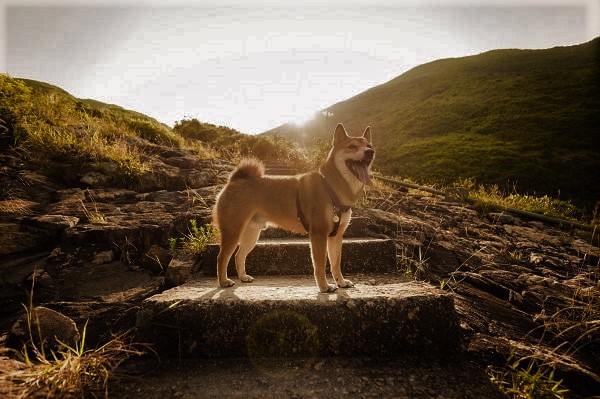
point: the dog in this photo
(318, 203)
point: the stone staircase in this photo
(282, 322)
(281, 325)
(282, 314)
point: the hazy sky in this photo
(253, 65)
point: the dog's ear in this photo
(340, 134)
(367, 134)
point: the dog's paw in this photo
(345, 284)
(247, 279)
(330, 288)
(227, 283)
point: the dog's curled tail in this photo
(249, 168)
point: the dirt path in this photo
(339, 377)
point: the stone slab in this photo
(292, 256)
(287, 317)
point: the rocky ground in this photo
(521, 288)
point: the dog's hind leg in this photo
(230, 238)
(334, 251)
(228, 246)
(318, 250)
(247, 243)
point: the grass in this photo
(526, 378)
(93, 216)
(196, 240)
(56, 131)
(71, 373)
(15, 206)
(543, 205)
(232, 145)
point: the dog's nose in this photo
(369, 153)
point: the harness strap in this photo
(338, 209)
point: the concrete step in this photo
(281, 171)
(357, 229)
(292, 256)
(279, 168)
(287, 317)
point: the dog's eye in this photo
(352, 147)
(369, 146)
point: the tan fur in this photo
(252, 201)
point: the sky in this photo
(254, 65)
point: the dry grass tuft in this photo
(69, 374)
(16, 207)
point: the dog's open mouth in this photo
(360, 169)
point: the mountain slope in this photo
(524, 117)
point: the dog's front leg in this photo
(334, 250)
(318, 250)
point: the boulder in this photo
(44, 329)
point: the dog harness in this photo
(338, 209)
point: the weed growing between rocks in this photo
(94, 216)
(196, 240)
(72, 372)
(533, 381)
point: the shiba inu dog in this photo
(318, 203)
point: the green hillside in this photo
(529, 118)
(56, 133)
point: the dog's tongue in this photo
(362, 171)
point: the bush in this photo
(194, 129)
(155, 133)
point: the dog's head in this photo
(355, 153)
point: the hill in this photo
(527, 118)
(67, 137)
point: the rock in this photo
(94, 179)
(104, 257)
(47, 328)
(52, 222)
(15, 238)
(14, 272)
(199, 178)
(156, 259)
(535, 259)
(178, 272)
(503, 218)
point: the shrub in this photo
(196, 240)
(153, 132)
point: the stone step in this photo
(287, 317)
(292, 256)
(357, 229)
(281, 171)
(279, 168)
